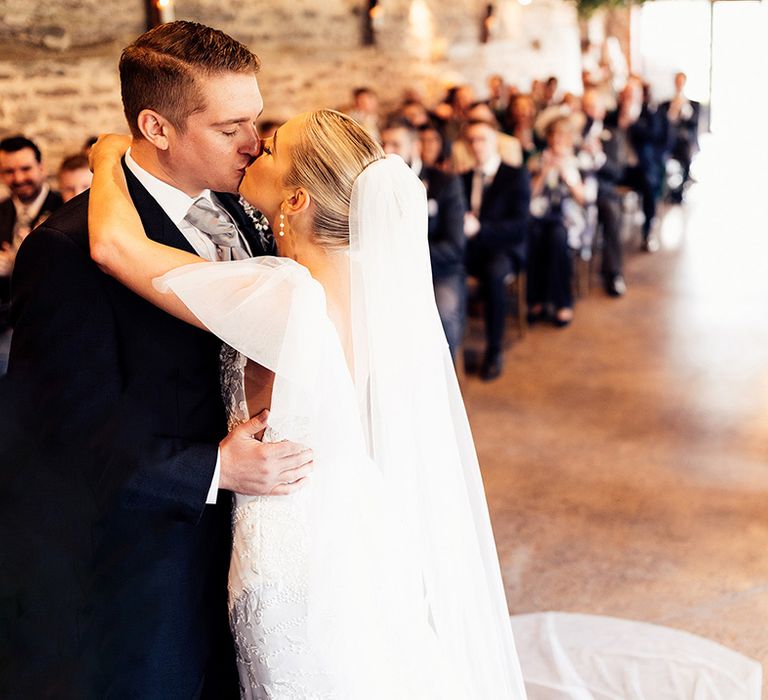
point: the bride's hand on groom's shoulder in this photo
(109, 148)
(255, 468)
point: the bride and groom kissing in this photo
(335, 543)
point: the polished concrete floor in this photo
(626, 457)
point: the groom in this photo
(116, 463)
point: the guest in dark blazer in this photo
(682, 119)
(30, 203)
(637, 128)
(116, 537)
(446, 206)
(600, 153)
(496, 225)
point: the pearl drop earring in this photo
(281, 232)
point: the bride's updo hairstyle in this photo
(332, 151)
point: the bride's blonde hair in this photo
(331, 152)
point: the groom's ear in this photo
(154, 128)
(298, 202)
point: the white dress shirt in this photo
(176, 204)
(483, 177)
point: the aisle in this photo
(625, 458)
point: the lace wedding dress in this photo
(379, 579)
(269, 577)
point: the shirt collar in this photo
(172, 200)
(34, 207)
(417, 166)
(491, 167)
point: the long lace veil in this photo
(417, 428)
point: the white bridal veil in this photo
(405, 593)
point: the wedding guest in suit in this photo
(31, 202)
(600, 151)
(509, 148)
(635, 128)
(415, 113)
(74, 176)
(682, 115)
(496, 226)
(447, 242)
(118, 469)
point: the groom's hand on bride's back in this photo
(256, 468)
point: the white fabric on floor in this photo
(567, 656)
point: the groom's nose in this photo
(252, 142)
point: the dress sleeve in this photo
(269, 309)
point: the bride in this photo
(379, 578)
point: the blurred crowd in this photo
(520, 186)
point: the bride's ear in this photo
(297, 202)
(154, 128)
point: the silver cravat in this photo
(214, 224)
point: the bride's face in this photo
(262, 185)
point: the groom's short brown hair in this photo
(158, 71)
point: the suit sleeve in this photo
(510, 225)
(65, 355)
(448, 247)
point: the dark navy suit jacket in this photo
(115, 571)
(504, 212)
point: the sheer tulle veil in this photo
(405, 598)
(417, 429)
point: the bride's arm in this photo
(118, 242)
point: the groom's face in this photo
(220, 141)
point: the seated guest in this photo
(415, 113)
(496, 226)
(682, 115)
(635, 128)
(435, 148)
(74, 176)
(598, 152)
(558, 200)
(446, 208)
(365, 110)
(498, 97)
(509, 147)
(30, 203)
(452, 111)
(520, 121)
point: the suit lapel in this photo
(157, 224)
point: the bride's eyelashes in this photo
(267, 150)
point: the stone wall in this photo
(58, 78)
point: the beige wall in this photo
(58, 79)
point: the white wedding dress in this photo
(380, 579)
